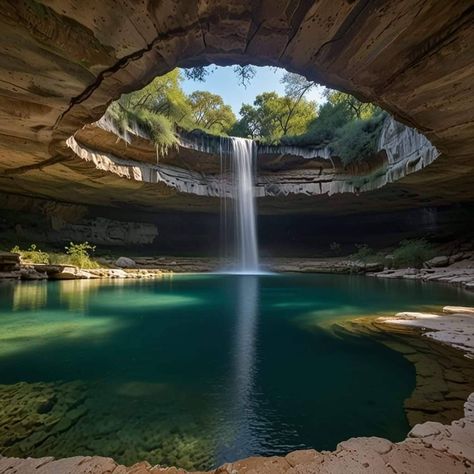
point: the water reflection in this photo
(75, 294)
(243, 404)
(29, 296)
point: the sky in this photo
(224, 81)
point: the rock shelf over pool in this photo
(191, 173)
(62, 65)
(429, 447)
(456, 328)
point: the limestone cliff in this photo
(282, 170)
(62, 65)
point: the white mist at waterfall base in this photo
(238, 209)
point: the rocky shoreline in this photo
(444, 372)
(430, 446)
(458, 271)
(452, 264)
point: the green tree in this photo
(353, 106)
(296, 86)
(272, 116)
(153, 110)
(412, 253)
(162, 96)
(244, 74)
(249, 125)
(209, 112)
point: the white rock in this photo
(458, 310)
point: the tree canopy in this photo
(350, 128)
(353, 107)
(345, 124)
(162, 105)
(209, 112)
(272, 116)
(153, 110)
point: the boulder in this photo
(442, 261)
(10, 275)
(125, 262)
(456, 258)
(63, 272)
(9, 262)
(115, 273)
(30, 273)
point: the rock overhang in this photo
(62, 65)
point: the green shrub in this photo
(357, 140)
(335, 247)
(32, 255)
(78, 255)
(157, 127)
(363, 254)
(322, 130)
(412, 253)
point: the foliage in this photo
(245, 74)
(348, 126)
(296, 86)
(32, 255)
(335, 247)
(79, 254)
(76, 254)
(159, 107)
(272, 116)
(209, 112)
(357, 140)
(152, 111)
(338, 127)
(412, 253)
(197, 73)
(322, 130)
(143, 122)
(353, 106)
(158, 94)
(363, 254)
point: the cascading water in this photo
(240, 152)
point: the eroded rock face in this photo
(28, 219)
(61, 65)
(194, 168)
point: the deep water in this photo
(196, 370)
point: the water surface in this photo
(197, 370)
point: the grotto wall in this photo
(61, 65)
(188, 180)
(195, 167)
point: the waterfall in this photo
(241, 153)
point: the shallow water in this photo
(196, 370)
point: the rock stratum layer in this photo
(192, 171)
(61, 64)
